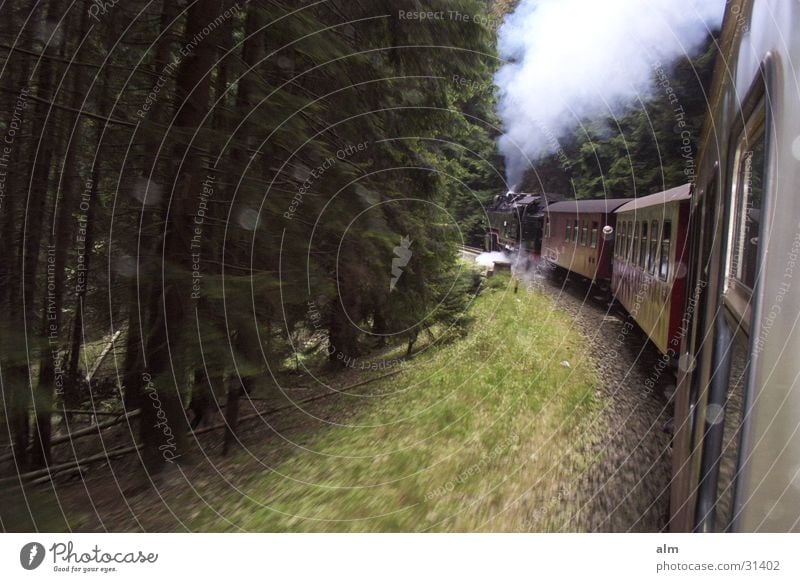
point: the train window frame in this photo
(741, 303)
(634, 252)
(736, 292)
(665, 250)
(642, 258)
(652, 253)
(575, 231)
(593, 234)
(584, 233)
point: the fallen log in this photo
(94, 428)
(89, 430)
(99, 361)
(88, 412)
(46, 474)
(50, 472)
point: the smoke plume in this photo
(570, 60)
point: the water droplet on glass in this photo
(248, 219)
(715, 414)
(146, 191)
(301, 172)
(687, 363)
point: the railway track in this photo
(625, 486)
(469, 253)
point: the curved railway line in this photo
(625, 485)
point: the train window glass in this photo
(626, 248)
(730, 412)
(643, 246)
(593, 240)
(634, 253)
(666, 249)
(575, 232)
(620, 242)
(547, 227)
(651, 259)
(748, 195)
(584, 233)
(568, 234)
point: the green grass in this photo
(472, 439)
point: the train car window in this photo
(626, 252)
(732, 353)
(547, 227)
(568, 233)
(651, 259)
(584, 233)
(748, 194)
(643, 246)
(666, 235)
(593, 239)
(575, 232)
(634, 244)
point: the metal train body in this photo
(736, 452)
(642, 258)
(721, 292)
(516, 221)
(650, 264)
(574, 239)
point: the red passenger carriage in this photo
(649, 264)
(574, 236)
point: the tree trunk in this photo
(163, 424)
(139, 315)
(90, 190)
(232, 414)
(24, 295)
(343, 337)
(61, 233)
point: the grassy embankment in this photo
(474, 437)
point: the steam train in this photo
(710, 271)
(515, 222)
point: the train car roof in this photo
(603, 206)
(527, 199)
(683, 192)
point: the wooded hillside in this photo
(227, 189)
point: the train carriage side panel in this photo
(649, 267)
(574, 239)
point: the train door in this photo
(719, 429)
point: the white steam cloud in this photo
(576, 59)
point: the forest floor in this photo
(502, 430)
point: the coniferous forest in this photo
(202, 177)
(216, 211)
